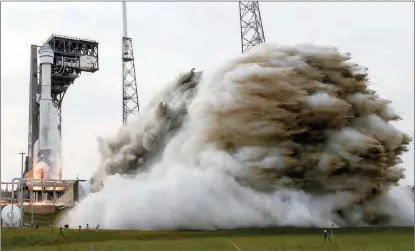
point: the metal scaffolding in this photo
(38, 193)
(129, 83)
(252, 31)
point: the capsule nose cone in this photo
(46, 47)
(46, 54)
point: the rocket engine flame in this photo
(281, 136)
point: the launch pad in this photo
(38, 196)
(53, 68)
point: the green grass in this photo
(272, 239)
(43, 219)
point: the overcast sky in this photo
(172, 37)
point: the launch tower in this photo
(66, 57)
(130, 105)
(252, 32)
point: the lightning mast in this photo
(129, 83)
(252, 32)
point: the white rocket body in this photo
(49, 149)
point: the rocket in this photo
(46, 128)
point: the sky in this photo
(170, 38)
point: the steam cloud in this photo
(281, 136)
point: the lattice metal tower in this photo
(252, 32)
(130, 104)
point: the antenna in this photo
(252, 32)
(124, 19)
(129, 82)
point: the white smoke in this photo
(83, 190)
(282, 136)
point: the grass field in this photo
(272, 239)
(43, 219)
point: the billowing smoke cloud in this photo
(282, 135)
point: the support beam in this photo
(252, 31)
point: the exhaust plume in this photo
(281, 136)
